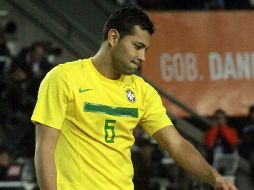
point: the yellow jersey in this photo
(96, 117)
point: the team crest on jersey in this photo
(130, 95)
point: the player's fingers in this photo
(224, 186)
(228, 186)
(233, 187)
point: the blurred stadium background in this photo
(201, 61)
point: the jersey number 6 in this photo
(109, 131)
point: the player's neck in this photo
(103, 64)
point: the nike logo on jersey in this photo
(81, 90)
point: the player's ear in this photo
(113, 37)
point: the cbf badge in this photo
(130, 95)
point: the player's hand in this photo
(221, 183)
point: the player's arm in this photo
(46, 139)
(187, 156)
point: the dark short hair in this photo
(219, 111)
(124, 19)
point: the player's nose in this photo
(141, 56)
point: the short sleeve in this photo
(155, 116)
(52, 99)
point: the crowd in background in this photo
(21, 74)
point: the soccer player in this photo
(87, 109)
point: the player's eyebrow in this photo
(142, 45)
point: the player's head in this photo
(127, 33)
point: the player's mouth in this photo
(136, 63)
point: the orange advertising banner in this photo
(204, 59)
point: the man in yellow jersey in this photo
(87, 109)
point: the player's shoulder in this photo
(68, 68)
(72, 65)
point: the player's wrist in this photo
(214, 177)
(218, 181)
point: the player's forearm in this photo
(186, 155)
(195, 164)
(45, 169)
